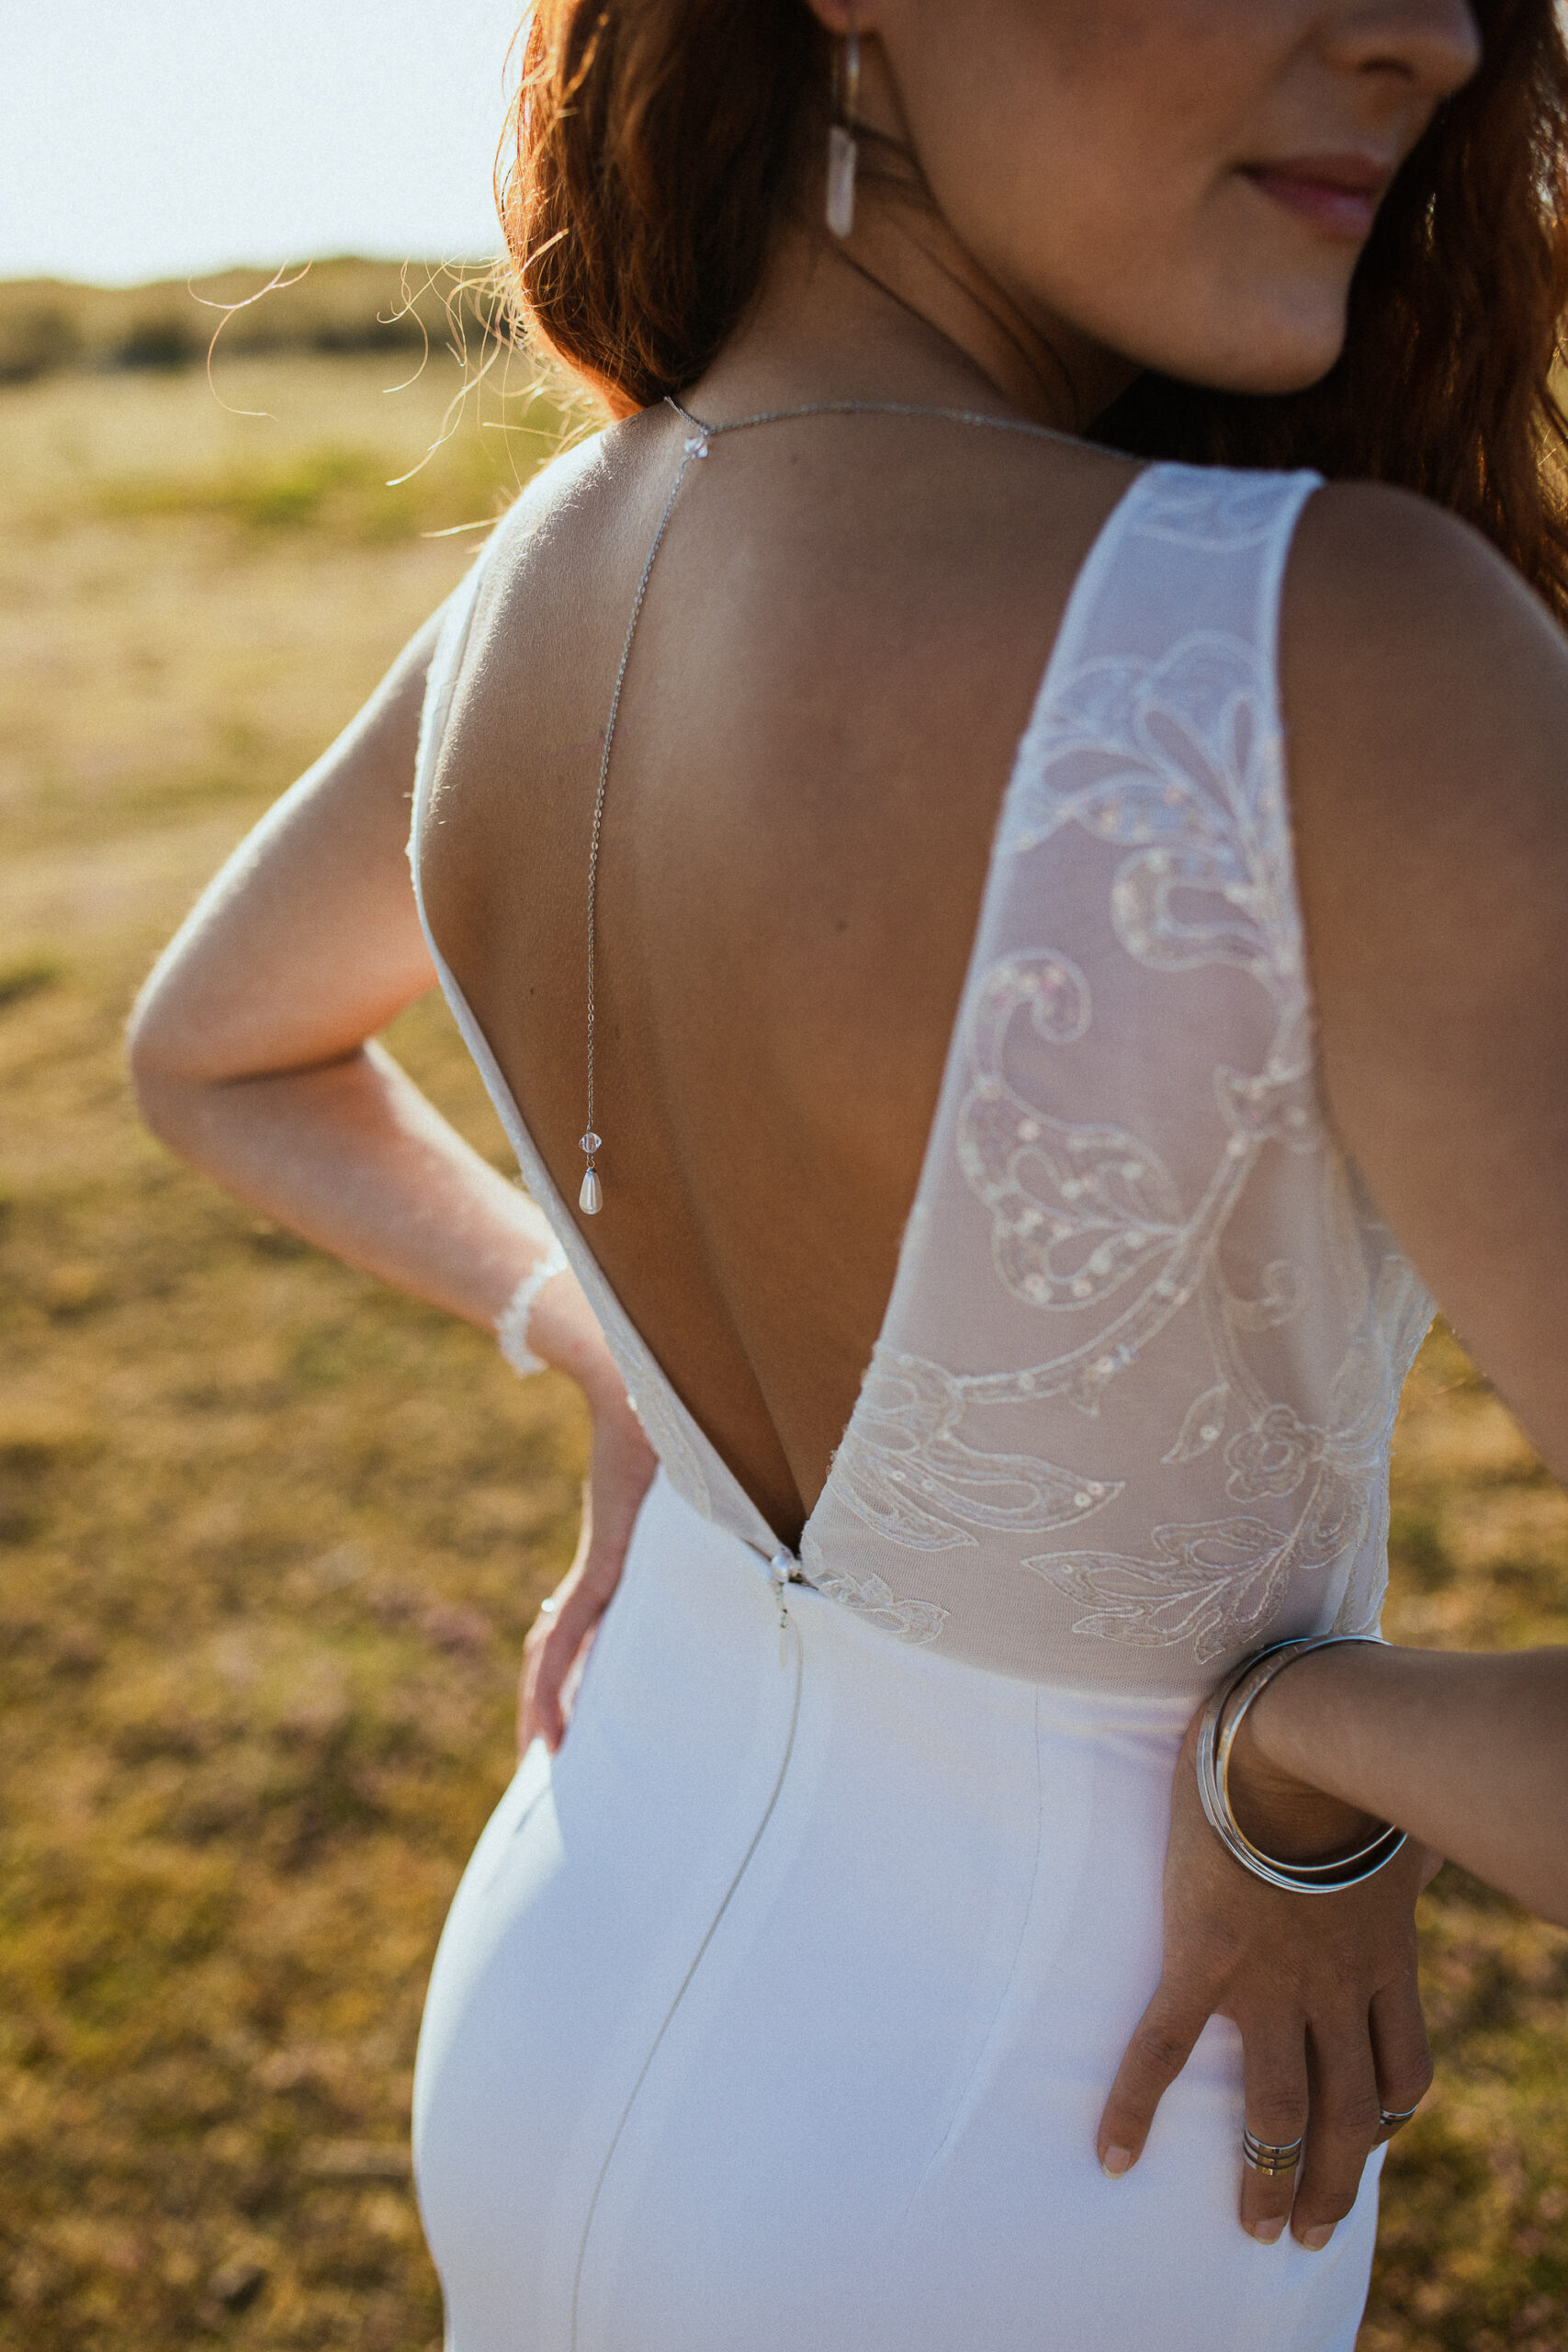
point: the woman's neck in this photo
(900, 311)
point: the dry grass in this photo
(271, 1535)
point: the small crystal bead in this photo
(591, 1199)
(589, 1142)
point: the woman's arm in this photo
(1470, 1754)
(251, 1053)
(1425, 691)
(249, 1044)
(1321, 1989)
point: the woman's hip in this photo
(780, 2009)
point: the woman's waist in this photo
(1141, 1616)
(852, 1631)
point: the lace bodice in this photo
(1130, 1411)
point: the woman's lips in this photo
(1339, 194)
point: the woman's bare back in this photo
(840, 644)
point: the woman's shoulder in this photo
(1424, 681)
(1423, 688)
(1375, 537)
(1425, 698)
(920, 562)
(558, 488)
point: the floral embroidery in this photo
(1076, 1211)
(872, 1596)
(1202, 1425)
(1079, 1211)
(904, 1469)
(1176, 762)
(1214, 1582)
(1273, 1456)
(1209, 1585)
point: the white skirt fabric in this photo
(776, 2012)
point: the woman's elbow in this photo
(161, 1079)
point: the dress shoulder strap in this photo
(1185, 586)
(1219, 526)
(1158, 729)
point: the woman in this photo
(982, 1222)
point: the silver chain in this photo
(590, 1198)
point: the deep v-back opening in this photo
(541, 1184)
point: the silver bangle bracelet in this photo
(512, 1324)
(1216, 1737)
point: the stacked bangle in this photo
(512, 1324)
(1216, 1737)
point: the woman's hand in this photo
(620, 1473)
(1323, 1988)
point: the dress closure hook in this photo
(783, 1570)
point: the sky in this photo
(166, 137)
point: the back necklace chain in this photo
(591, 1198)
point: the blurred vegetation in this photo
(1472, 2255)
(270, 1536)
(335, 307)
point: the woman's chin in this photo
(1284, 340)
(1256, 379)
(1282, 355)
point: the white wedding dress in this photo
(776, 2012)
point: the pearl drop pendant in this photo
(591, 1199)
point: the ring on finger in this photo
(1391, 2120)
(1271, 2157)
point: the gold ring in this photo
(1271, 2157)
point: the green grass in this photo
(25, 975)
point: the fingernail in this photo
(1317, 2237)
(1267, 2232)
(1116, 2161)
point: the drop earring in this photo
(842, 154)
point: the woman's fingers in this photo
(1342, 2128)
(538, 1696)
(621, 1472)
(1325, 2084)
(552, 1648)
(1159, 2049)
(1329, 2086)
(1401, 2052)
(1276, 2102)
(546, 1665)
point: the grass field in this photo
(270, 1536)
